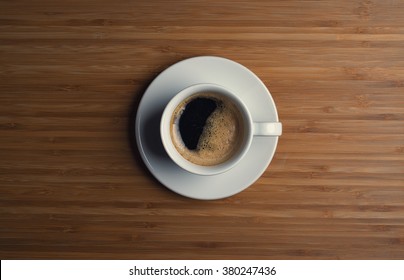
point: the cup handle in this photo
(267, 128)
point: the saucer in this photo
(205, 69)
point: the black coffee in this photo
(207, 128)
(193, 119)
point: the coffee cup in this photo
(207, 129)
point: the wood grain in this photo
(72, 184)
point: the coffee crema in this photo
(207, 128)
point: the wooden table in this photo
(73, 186)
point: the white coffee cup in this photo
(251, 129)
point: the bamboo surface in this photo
(73, 186)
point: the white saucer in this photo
(205, 69)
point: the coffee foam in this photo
(221, 136)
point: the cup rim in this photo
(165, 130)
